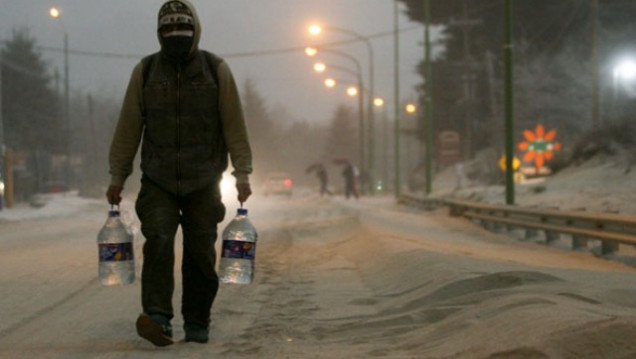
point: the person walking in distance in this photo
(183, 106)
(323, 177)
(350, 174)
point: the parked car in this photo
(278, 183)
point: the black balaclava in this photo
(176, 45)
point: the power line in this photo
(20, 69)
(230, 55)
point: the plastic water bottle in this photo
(116, 258)
(239, 250)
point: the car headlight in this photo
(227, 186)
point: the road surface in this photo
(334, 279)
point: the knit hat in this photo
(175, 12)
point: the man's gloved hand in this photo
(113, 195)
(244, 191)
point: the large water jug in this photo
(115, 246)
(239, 250)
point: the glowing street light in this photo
(320, 67)
(311, 51)
(378, 102)
(329, 82)
(315, 29)
(410, 108)
(626, 70)
(54, 12)
(352, 91)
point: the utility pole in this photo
(67, 118)
(428, 117)
(596, 123)
(508, 85)
(396, 79)
(468, 80)
(1, 119)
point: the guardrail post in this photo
(455, 211)
(531, 233)
(578, 242)
(608, 247)
(551, 237)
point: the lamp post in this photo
(396, 82)
(316, 30)
(509, 97)
(312, 51)
(322, 67)
(380, 102)
(55, 13)
(411, 110)
(428, 117)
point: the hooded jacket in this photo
(185, 119)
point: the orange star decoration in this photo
(539, 146)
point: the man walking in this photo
(183, 106)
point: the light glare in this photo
(55, 12)
(315, 29)
(330, 82)
(378, 101)
(311, 51)
(320, 67)
(625, 70)
(352, 91)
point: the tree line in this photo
(553, 66)
(34, 127)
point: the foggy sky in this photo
(229, 28)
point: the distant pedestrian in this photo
(321, 172)
(350, 174)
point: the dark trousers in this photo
(198, 213)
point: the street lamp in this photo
(316, 30)
(321, 67)
(624, 73)
(312, 51)
(329, 82)
(56, 14)
(381, 103)
(410, 108)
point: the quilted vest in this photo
(182, 148)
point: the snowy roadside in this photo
(50, 206)
(598, 185)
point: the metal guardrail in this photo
(611, 229)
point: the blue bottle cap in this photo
(113, 213)
(242, 212)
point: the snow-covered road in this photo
(335, 279)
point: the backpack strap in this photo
(146, 63)
(213, 62)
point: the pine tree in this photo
(29, 107)
(342, 141)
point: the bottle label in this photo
(239, 249)
(114, 252)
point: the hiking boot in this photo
(155, 328)
(195, 333)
